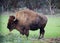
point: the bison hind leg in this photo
(42, 32)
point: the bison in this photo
(26, 20)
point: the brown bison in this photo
(26, 20)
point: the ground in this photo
(52, 31)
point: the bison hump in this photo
(25, 17)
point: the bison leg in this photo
(42, 31)
(26, 32)
(22, 32)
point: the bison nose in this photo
(8, 27)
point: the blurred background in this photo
(50, 8)
(45, 6)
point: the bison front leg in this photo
(26, 32)
(22, 32)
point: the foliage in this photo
(31, 4)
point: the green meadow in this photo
(52, 30)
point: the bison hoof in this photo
(40, 37)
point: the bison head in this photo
(12, 22)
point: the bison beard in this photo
(26, 20)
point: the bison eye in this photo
(12, 25)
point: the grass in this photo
(52, 31)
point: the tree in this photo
(50, 6)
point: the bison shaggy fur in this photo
(26, 20)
